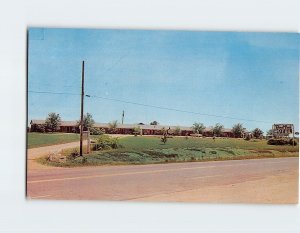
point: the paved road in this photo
(240, 181)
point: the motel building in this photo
(145, 129)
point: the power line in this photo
(152, 106)
(177, 110)
(54, 93)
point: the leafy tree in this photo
(237, 130)
(88, 121)
(136, 130)
(177, 130)
(52, 122)
(154, 123)
(257, 133)
(113, 126)
(217, 129)
(198, 127)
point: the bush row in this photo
(281, 141)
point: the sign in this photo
(283, 129)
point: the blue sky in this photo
(251, 76)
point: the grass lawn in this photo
(47, 139)
(145, 150)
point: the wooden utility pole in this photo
(122, 117)
(81, 114)
(293, 135)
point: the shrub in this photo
(281, 141)
(73, 155)
(84, 160)
(247, 138)
(177, 131)
(96, 131)
(39, 128)
(105, 142)
(291, 142)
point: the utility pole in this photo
(293, 135)
(123, 117)
(81, 114)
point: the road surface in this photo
(240, 181)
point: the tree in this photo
(154, 123)
(237, 130)
(164, 138)
(257, 133)
(198, 127)
(88, 121)
(163, 130)
(270, 132)
(113, 126)
(136, 130)
(177, 130)
(217, 129)
(52, 122)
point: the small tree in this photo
(257, 133)
(237, 130)
(113, 126)
(136, 130)
(217, 129)
(52, 122)
(88, 121)
(154, 123)
(270, 132)
(198, 127)
(163, 131)
(177, 130)
(248, 137)
(164, 138)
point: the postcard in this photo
(162, 115)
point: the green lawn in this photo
(47, 139)
(145, 150)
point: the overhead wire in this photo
(149, 105)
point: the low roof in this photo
(62, 123)
(131, 126)
(37, 122)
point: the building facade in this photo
(144, 129)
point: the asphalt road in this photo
(240, 181)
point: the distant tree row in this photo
(237, 130)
